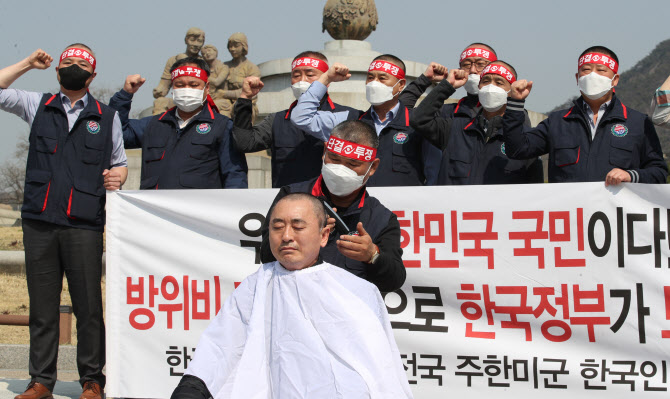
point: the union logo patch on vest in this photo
(203, 128)
(400, 137)
(502, 148)
(619, 130)
(93, 127)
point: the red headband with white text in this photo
(190, 71)
(351, 150)
(310, 62)
(478, 52)
(385, 66)
(499, 70)
(79, 53)
(598, 58)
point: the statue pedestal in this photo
(348, 48)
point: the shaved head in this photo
(317, 205)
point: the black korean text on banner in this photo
(255, 233)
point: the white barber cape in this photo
(319, 332)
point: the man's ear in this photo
(325, 233)
(577, 77)
(401, 85)
(373, 168)
(90, 79)
(615, 80)
(206, 89)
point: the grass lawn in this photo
(11, 239)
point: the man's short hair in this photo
(312, 54)
(195, 32)
(508, 65)
(602, 50)
(357, 132)
(475, 44)
(317, 206)
(81, 45)
(391, 58)
(199, 62)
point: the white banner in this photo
(512, 291)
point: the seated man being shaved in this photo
(298, 327)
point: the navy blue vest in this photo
(296, 155)
(174, 158)
(400, 153)
(64, 183)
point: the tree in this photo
(13, 174)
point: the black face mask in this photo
(73, 77)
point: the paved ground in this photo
(14, 382)
(14, 377)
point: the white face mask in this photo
(299, 88)
(472, 85)
(594, 85)
(378, 93)
(341, 180)
(187, 99)
(492, 97)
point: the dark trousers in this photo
(52, 250)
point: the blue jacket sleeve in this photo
(426, 119)
(307, 117)
(414, 91)
(520, 142)
(133, 129)
(233, 164)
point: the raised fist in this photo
(251, 86)
(338, 72)
(436, 72)
(39, 59)
(457, 77)
(133, 83)
(521, 89)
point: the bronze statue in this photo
(194, 40)
(238, 69)
(350, 19)
(218, 70)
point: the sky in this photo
(541, 39)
